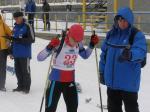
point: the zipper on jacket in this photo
(113, 74)
(114, 57)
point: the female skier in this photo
(62, 76)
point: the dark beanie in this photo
(17, 14)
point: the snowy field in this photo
(85, 74)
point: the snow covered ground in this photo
(85, 74)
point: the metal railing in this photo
(59, 20)
(16, 2)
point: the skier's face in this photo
(18, 20)
(123, 24)
(72, 42)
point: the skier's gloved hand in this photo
(102, 80)
(93, 41)
(53, 43)
(126, 55)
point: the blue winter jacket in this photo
(24, 37)
(123, 75)
(30, 6)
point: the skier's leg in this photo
(130, 101)
(114, 100)
(3, 59)
(71, 97)
(52, 96)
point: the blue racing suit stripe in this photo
(51, 93)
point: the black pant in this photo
(53, 94)
(22, 68)
(116, 97)
(3, 60)
(47, 24)
(31, 20)
(46, 21)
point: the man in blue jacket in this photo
(22, 39)
(120, 63)
(30, 9)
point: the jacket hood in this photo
(127, 14)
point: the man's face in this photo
(123, 24)
(18, 20)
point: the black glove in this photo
(11, 38)
(93, 41)
(2, 11)
(102, 80)
(9, 50)
(126, 55)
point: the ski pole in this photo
(99, 86)
(68, 7)
(46, 83)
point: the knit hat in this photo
(18, 14)
(76, 32)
